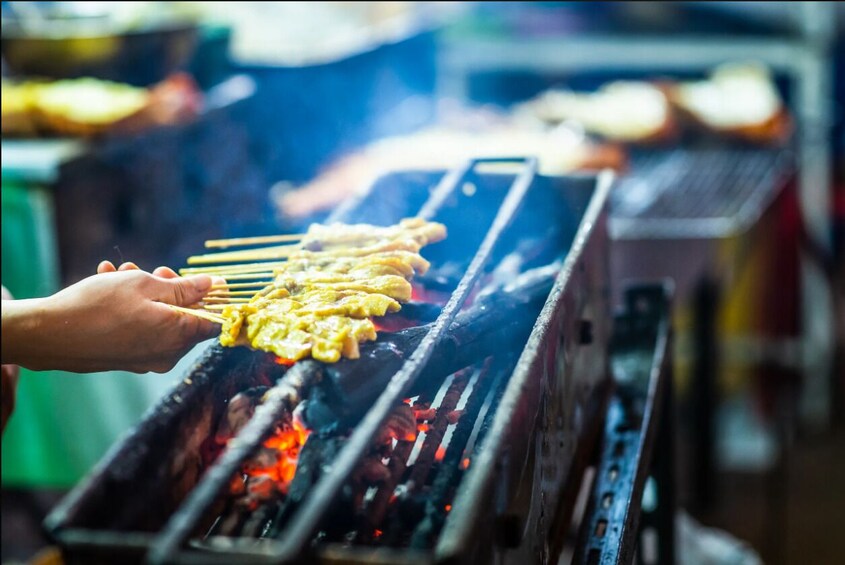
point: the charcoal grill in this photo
(525, 356)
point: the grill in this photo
(700, 193)
(460, 435)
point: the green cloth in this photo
(63, 422)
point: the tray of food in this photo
(89, 107)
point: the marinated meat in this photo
(322, 299)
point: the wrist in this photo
(22, 322)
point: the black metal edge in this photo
(55, 524)
(610, 525)
(457, 535)
(168, 548)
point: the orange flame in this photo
(422, 427)
(285, 362)
(465, 463)
(378, 533)
(411, 437)
(287, 442)
(448, 508)
(440, 453)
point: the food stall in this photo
(485, 282)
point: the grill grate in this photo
(707, 193)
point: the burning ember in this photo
(421, 294)
(283, 361)
(278, 456)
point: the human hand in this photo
(108, 267)
(113, 320)
(8, 383)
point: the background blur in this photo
(258, 118)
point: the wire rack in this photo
(699, 193)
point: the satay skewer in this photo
(227, 286)
(225, 299)
(259, 240)
(233, 293)
(233, 269)
(244, 276)
(273, 252)
(207, 316)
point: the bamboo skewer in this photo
(274, 252)
(243, 241)
(207, 316)
(249, 293)
(225, 299)
(233, 269)
(257, 284)
(241, 276)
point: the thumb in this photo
(186, 291)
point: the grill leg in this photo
(660, 520)
(703, 392)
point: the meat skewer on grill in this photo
(322, 299)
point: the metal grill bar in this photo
(306, 520)
(457, 531)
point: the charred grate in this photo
(704, 193)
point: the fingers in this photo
(108, 267)
(165, 273)
(184, 291)
(105, 267)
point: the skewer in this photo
(216, 306)
(242, 241)
(257, 284)
(209, 317)
(243, 276)
(234, 293)
(233, 269)
(274, 252)
(225, 299)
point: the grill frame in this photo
(582, 287)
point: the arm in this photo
(8, 381)
(110, 321)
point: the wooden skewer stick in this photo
(241, 241)
(216, 306)
(256, 284)
(198, 314)
(246, 276)
(225, 299)
(234, 293)
(233, 269)
(276, 252)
